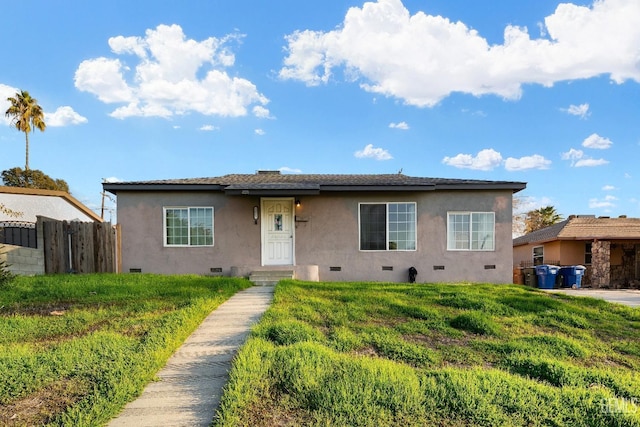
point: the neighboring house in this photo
(321, 227)
(32, 202)
(608, 247)
(21, 234)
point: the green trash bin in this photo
(547, 276)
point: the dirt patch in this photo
(276, 412)
(368, 351)
(37, 310)
(43, 405)
(436, 341)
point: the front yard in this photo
(372, 354)
(75, 349)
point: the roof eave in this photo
(513, 186)
(365, 188)
(115, 187)
(271, 192)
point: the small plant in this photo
(475, 322)
(5, 275)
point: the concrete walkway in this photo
(190, 385)
(621, 296)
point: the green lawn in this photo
(75, 348)
(372, 354)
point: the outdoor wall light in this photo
(297, 202)
(256, 213)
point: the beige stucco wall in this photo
(326, 235)
(565, 251)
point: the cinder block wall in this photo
(23, 261)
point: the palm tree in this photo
(26, 115)
(541, 218)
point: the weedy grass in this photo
(75, 348)
(374, 354)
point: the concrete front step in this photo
(269, 277)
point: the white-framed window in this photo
(188, 226)
(387, 226)
(471, 231)
(538, 255)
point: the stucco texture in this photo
(326, 235)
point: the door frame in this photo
(264, 228)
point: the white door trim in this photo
(277, 248)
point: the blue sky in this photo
(533, 90)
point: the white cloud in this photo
(259, 132)
(607, 202)
(262, 112)
(572, 155)
(369, 152)
(590, 163)
(400, 125)
(528, 162)
(597, 142)
(422, 58)
(608, 188)
(6, 92)
(171, 75)
(64, 116)
(287, 169)
(578, 159)
(208, 128)
(581, 110)
(486, 160)
(111, 179)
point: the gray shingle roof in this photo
(270, 180)
(585, 229)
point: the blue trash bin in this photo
(572, 276)
(547, 276)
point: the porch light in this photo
(298, 203)
(256, 213)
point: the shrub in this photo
(394, 347)
(288, 332)
(5, 275)
(475, 322)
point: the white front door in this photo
(277, 231)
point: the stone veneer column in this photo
(600, 263)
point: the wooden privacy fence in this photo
(80, 247)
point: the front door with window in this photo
(277, 231)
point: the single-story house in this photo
(21, 234)
(320, 227)
(609, 248)
(32, 202)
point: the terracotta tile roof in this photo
(274, 179)
(585, 228)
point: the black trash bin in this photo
(547, 275)
(530, 278)
(572, 276)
